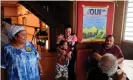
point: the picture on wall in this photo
(94, 23)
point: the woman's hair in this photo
(67, 26)
(108, 64)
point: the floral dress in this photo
(62, 65)
(71, 40)
(21, 64)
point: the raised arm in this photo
(97, 56)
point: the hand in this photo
(59, 38)
(69, 56)
(63, 52)
(41, 71)
(121, 75)
(40, 68)
(72, 48)
(97, 56)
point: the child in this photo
(63, 60)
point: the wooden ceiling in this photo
(9, 3)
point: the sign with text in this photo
(94, 23)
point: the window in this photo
(128, 35)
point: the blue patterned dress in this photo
(21, 64)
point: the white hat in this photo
(15, 29)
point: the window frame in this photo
(125, 21)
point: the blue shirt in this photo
(21, 64)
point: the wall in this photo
(71, 10)
(20, 15)
(110, 16)
(74, 17)
(84, 49)
(29, 20)
(118, 21)
(10, 12)
(127, 47)
(118, 27)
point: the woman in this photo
(71, 39)
(20, 58)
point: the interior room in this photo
(91, 21)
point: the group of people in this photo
(20, 59)
(66, 55)
(103, 64)
(105, 60)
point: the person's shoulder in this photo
(28, 43)
(116, 46)
(7, 46)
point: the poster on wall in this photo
(94, 23)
